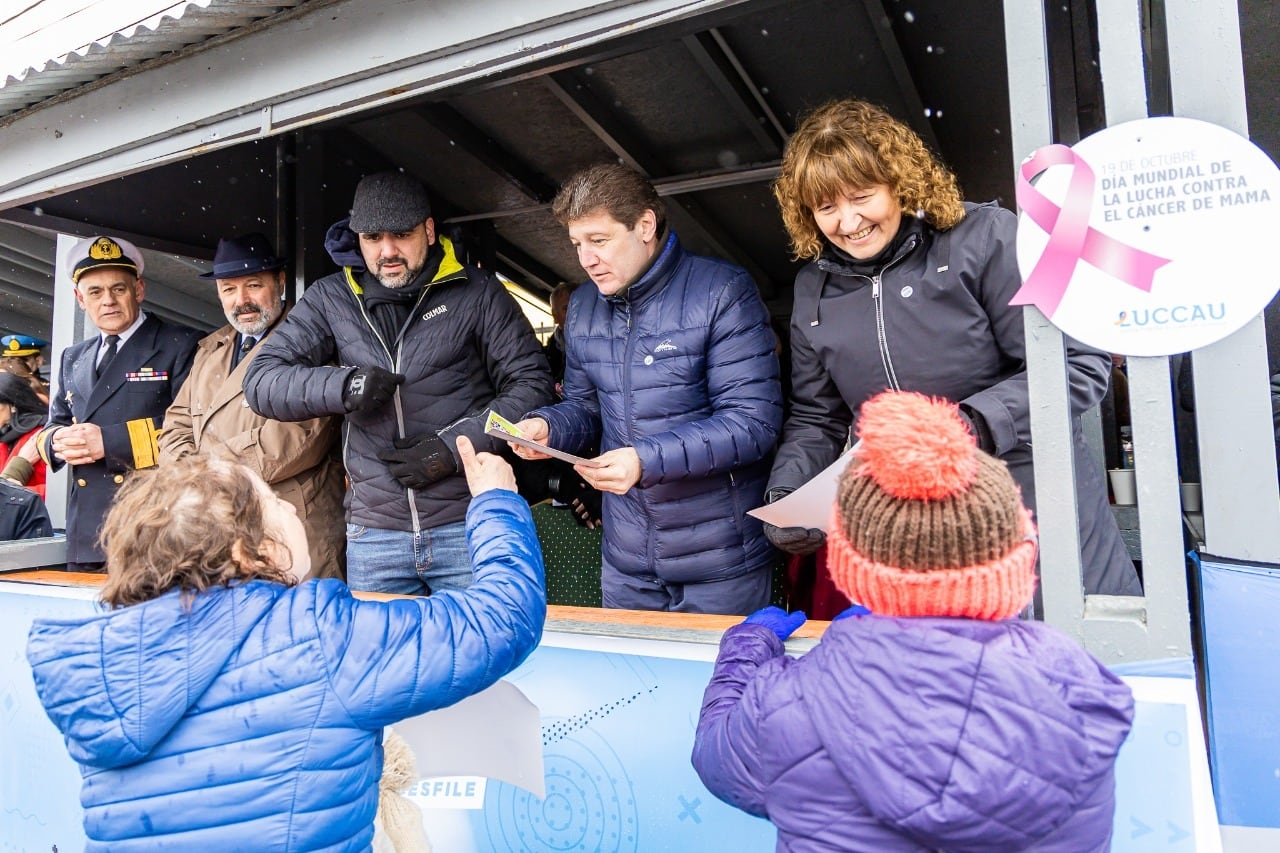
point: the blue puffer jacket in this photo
(917, 735)
(254, 721)
(681, 366)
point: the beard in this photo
(395, 282)
(252, 319)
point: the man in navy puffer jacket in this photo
(670, 365)
(219, 708)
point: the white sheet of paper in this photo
(497, 733)
(810, 505)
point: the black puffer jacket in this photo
(467, 348)
(936, 319)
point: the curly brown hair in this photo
(850, 144)
(191, 525)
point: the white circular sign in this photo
(1151, 237)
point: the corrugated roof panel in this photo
(57, 45)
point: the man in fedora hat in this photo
(113, 389)
(424, 346)
(210, 416)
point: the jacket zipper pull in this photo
(875, 287)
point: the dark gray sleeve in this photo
(291, 377)
(1005, 406)
(818, 426)
(515, 363)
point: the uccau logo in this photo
(1172, 315)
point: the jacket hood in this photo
(115, 684)
(343, 245)
(966, 735)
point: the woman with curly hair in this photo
(908, 288)
(220, 705)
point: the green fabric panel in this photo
(572, 557)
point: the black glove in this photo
(543, 479)
(369, 389)
(801, 541)
(419, 461)
(585, 502)
(977, 425)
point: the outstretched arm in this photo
(435, 651)
(726, 748)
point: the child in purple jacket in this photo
(938, 721)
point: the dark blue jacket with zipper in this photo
(681, 366)
(466, 348)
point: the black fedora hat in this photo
(244, 255)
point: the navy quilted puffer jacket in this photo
(681, 366)
(917, 735)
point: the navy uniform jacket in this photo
(22, 513)
(128, 404)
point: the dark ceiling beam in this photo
(26, 262)
(901, 72)
(674, 185)
(737, 89)
(33, 286)
(532, 271)
(61, 225)
(757, 93)
(24, 241)
(18, 319)
(606, 49)
(488, 151)
(601, 121)
(363, 151)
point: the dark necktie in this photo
(107, 356)
(245, 346)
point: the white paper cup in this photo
(1124, 486)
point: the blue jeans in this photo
(406, 563)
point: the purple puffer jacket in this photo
(917, 734)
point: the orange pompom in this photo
(915, 447)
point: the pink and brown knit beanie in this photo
(924, 523)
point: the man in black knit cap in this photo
(414, 348)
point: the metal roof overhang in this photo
(269, 127)
(317, 63)
(53, 46)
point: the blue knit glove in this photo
(777, 620)
(852, 610)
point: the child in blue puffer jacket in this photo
(217, 706)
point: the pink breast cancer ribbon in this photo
(1070, 237)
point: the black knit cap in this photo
(389, 201)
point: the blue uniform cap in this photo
(21, 345)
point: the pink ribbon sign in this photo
(1070, 236)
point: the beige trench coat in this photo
(298, 461)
